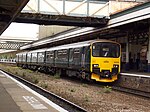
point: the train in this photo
(97, 60)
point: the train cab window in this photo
(106, 50)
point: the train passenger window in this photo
(61, 56)
(41, 57)
(49, 56)
(17, 58)
(62, 53)
(24, 57)
(20, 57)
(76, 53)
(34, 57)
(28, 57)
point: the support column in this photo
(38, 6)
(127, 52)
(64, 5)
(148, 53)
(88, 7)
(127, 55)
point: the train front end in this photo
(105, 61)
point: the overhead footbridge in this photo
(65, 12)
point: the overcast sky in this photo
(22, 30)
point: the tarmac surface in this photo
(16, 97)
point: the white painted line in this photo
(136, 75)
(34, 102)
(20, 86)
(57, 107)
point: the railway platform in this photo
(134, 73)
(16, 97)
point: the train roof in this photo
(79, 44)
(22, 52)
(67, 46)
(38, 50)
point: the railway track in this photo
(115, 86)
(132, 91)
(134, 84)
(69, 106)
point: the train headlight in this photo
(115, 66)
(95, 65)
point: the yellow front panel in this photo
(97, 78)
(105, 63)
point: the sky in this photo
(22, 30)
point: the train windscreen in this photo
(105, 49)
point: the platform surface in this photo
(15, 97)
(140, 74)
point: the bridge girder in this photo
(60, 20)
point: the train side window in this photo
(28, 57)
(24, 57)
(49, 55)
(40, 56)
(62, 53)
(76, 53)
(34, 57)
(20, 57)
